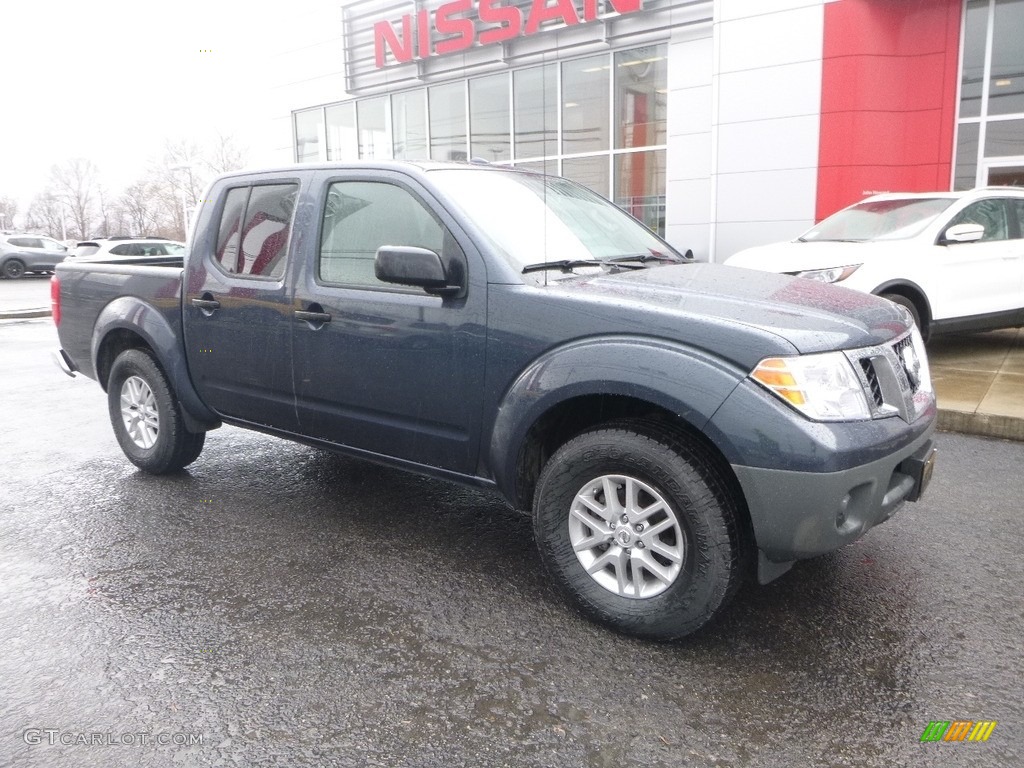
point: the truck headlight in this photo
(823, 387)
(833, 275)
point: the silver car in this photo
(21, 253)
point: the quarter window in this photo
(257, 247)
(360, 217)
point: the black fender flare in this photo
(132, 314)
(901, 282)
(683, 380)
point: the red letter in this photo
(621, 6)
(383, 33)
(423, 29)
(461, 28)
(508, 17)
(540, 13)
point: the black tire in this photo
(706, 517)
(14, 268)
(170, 445)
(910, 306)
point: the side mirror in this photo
(963, 233)
(408, 265)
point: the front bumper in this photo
(800, 514)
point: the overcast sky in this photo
(110, 80)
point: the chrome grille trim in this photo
(891, 387)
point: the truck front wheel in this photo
(146, 416)
(640, 530)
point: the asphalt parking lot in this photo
(278, 605)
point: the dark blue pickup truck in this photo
(672, 426)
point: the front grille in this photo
(895, 378)
(872, 377)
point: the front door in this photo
(237, 307)
(380, 367)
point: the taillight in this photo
(55, 299)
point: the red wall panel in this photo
(888, 98)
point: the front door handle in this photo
(313, 317)
(206, 304)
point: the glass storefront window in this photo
(973, 75)
(1004, 138)
(585, 115)
(640, 187)
(309, 135)
(374, 142)
(489, 118)
(550, 167)
(1006, 87)
(409, 125)
(641, 96)
(447, 104)
(591, 172)
(535, 94)
(341, 132)
(966, 156)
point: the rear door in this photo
(237, 304)
(381, 367)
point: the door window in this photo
(360, 217)
(991, 214)
(255, 227)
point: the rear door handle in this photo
(312, 317)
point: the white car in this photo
(102, 249)
(955, 260)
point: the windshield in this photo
(174, 249)
(531, 218)
(879, 220)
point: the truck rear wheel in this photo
(640, 531)
(146, 416)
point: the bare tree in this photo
(143, 208)
(74, 183)
(223, 155)
(46, 214)
(8, 210)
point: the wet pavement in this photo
(285, 606)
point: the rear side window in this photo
(128, 249)
(360, 217)
(25, 242)
(1017, 212)
(255, 227)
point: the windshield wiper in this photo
(643, 258)
(568, 265)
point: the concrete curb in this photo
(983, 424)
(23, 314)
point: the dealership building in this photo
(721, 124)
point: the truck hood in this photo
(800, 257)
(811, 316)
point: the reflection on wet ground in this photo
(295, 607)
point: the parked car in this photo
(955, 260)
(102, 249)
(21, 253)
(671, 426)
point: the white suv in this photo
(102, 249)
(955, 260)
